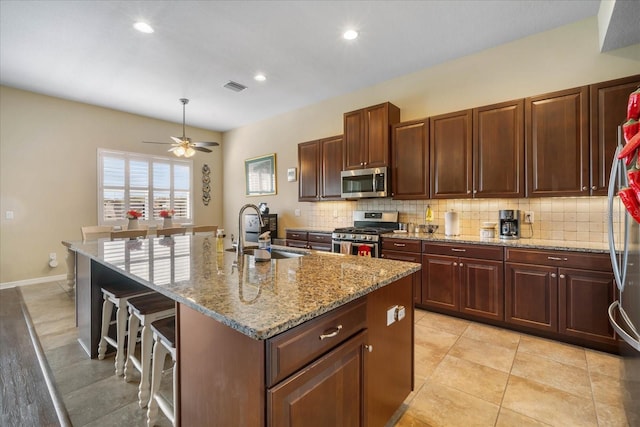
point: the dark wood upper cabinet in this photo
(557, 143)
(498, 150)
(410, 160)
(608, 111)
(450, 151)
(320, 164)
(367, 135)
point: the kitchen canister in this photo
(451, 224)
(488, 230)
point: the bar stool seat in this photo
(117, 294)
(143, 310)
(164, 337)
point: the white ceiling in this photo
(88, 51)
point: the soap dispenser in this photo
(263, 253)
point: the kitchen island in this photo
(316, 339)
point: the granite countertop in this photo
(557, 245)
(259, 299)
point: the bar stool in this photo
(164, 333)
(143, 310)
(117, 294)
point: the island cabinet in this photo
(410, 160)
(608, 111)
(320, 164)
(565, 293)
(467, 279)
(405, 250)
(557, 143)
(367, 136)
(347, 367)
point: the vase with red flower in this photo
(167, 215)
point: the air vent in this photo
(236, 87)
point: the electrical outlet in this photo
(297, 212)
(528, 217)
(391, 314)
(52, 256)
(335, 213)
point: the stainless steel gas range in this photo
(364, 237)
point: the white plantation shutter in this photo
(144, 183)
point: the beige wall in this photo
(558, 59)
(48, 158)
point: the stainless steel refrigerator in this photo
(624, 313)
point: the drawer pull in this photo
(400, 245)
(331, 334)
(458, 250)
(556, 258)
(553, 275)
(562, 276)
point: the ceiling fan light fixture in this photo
(179, 151)
(189, 152)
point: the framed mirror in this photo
(260, 175)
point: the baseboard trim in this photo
(34, 281)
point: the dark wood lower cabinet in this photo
(482, 288)
(439, 282)
(532, 296)
(329, 392)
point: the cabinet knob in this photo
(475, 191)
(368, 347)
(584, 188)
(461, 265)
(468, 191)
(593, 187)
(553, 275)
(562, 276)
(455, 264)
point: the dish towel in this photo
(345, 248)
(364, 250)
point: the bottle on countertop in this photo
(220, 240)
(263, 253)
(428, 215)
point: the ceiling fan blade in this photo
(173, 148)
(204, 144)
(204, 150)
(155, 142)
(177, 140)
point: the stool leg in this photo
(107, 309)
(175, 388)
(145, 362)
(121, 326)
(159, 353)
(134, 325)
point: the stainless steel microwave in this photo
(364, 183)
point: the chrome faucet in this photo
(241, 242)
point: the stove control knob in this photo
(368, 237)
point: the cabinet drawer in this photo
(297, 235)
(403, 245)
(467, 251)
(320, 238)
(291, 350)
(598, 262)
(402, 256)
(326, 247)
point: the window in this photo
(145, 183)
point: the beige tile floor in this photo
(466, 374)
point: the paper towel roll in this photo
(451, 224)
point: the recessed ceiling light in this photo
(350, 35)
(143, 27)
(260, 77)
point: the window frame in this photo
(128, 157)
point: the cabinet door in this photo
(608, 111)
(584, 298)
(557, 143)
(410, 160)
(330, 168)
(308, 165)
(531, 296)
(378, 121)
(450, 155)
(329, 392)
(482, 288)
(354, 140)
(498, 150)
(416, 278)
(440, 282)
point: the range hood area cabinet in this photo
(367, 136)
(320, 163)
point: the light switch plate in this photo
(8, 215)
(400, 313)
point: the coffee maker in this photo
(509, 224)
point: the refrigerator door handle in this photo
(633, 342)
(619, 265)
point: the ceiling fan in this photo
(183, 146)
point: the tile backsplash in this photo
(565, 218)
